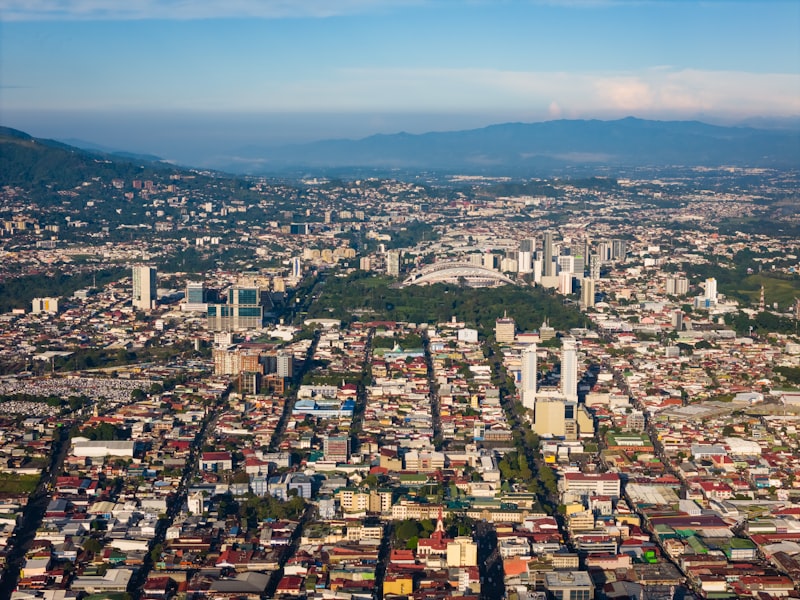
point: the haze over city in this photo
(192, 81)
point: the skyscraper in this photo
(547, 248)
(393, 263)
(297, 268)
(569, 370)
(144, 287)
(587, 292)
(529, 373)
(711, 290)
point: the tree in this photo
(406, 529)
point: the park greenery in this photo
(371, 297)
(19, 292)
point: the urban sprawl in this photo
(566, 389)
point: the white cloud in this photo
(657, 91)
(39, 10)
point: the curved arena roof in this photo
(458, 273)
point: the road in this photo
(136, 584)
(490, 563)
(32, 515)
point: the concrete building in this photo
(549, 267)
(336, 448)
(243, 311)
(504, 330)
(529, 377)
(676, 286)
(555, 417)
(565, 283)
(569, 370)
(587, 292)
(285, 365)
(569, 585)
(144, 287)
(711, 290)
(393, 258)
(46, 305)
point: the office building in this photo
(554, 417)
(505, 330)
(195, 298)
(569, 370)
(587, 292)
(243, 310)
(144, 287)
(549, 267)
(566, 264)
(529, 377)
(569, 585)
(528, 245)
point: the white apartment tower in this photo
(569, 370)
(144, 287)
(711, 290)
(529, 372)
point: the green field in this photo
(13, 484)
(782, 291)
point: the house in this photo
(216, 462)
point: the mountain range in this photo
(511, 149)
(515, 148)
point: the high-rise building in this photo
(594, 266)
(676, 286)
(46, 305)
(505, 330)
(555, 417)
(569, 369)
(336, 448)
(547, 248)
(619, 248)
(243, 310)
(565, 283)
(144, 287)
(297, 268)
(195, 293)
(587, 292)
(285, 364)
(579, 265)
(393, 263)
(566, 264)
(524, 263)
(711, 290)
(529, 375)
(490, 261)
(528, 245)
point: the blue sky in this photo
(279, 70)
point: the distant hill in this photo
(32, 162)
(514, 148)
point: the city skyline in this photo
(152, 76)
